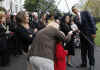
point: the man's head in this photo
(35, 15)
(75, 9)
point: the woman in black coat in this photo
(4, 54)
(23, 32)
(66, 26)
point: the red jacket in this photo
(60, 61)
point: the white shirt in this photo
(79, 15)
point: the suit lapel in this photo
(81, 16)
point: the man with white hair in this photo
(87, 27)
(35, 21)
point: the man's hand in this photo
(70, 32)
(93, 35)
(35, 30)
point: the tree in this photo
(93, 7)
(1, 0)
(30, 5)
(40, 5)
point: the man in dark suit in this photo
(87, 28)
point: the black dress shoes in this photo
(82, 66)
(69, 65)
(91, 68)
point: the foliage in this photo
(30, 5)
(93, 7)
(40, 5)
(97, 40)
(1, 0)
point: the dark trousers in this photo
(4, 57)
(87, 49)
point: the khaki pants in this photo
(39, 63)
(29, 66)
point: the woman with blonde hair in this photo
(4, 54)
(24, 33)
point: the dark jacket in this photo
(41, 25)
(87, 24)
(23, 40)
(87, 28)
(69, 44)
(3, 38)
(44, 44)
(65, 28)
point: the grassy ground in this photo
(97, 40)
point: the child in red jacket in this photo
(60, 61)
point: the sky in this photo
(66, 7)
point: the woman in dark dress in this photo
(66, 26)
(4, 54)
(24, 33)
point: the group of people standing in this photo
(40, 40)
(14, 37)
(82, 26)
(42, 54)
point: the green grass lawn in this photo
(97, 40)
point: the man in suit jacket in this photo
(87, 28)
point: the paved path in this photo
(76, 60)
(19, 63)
